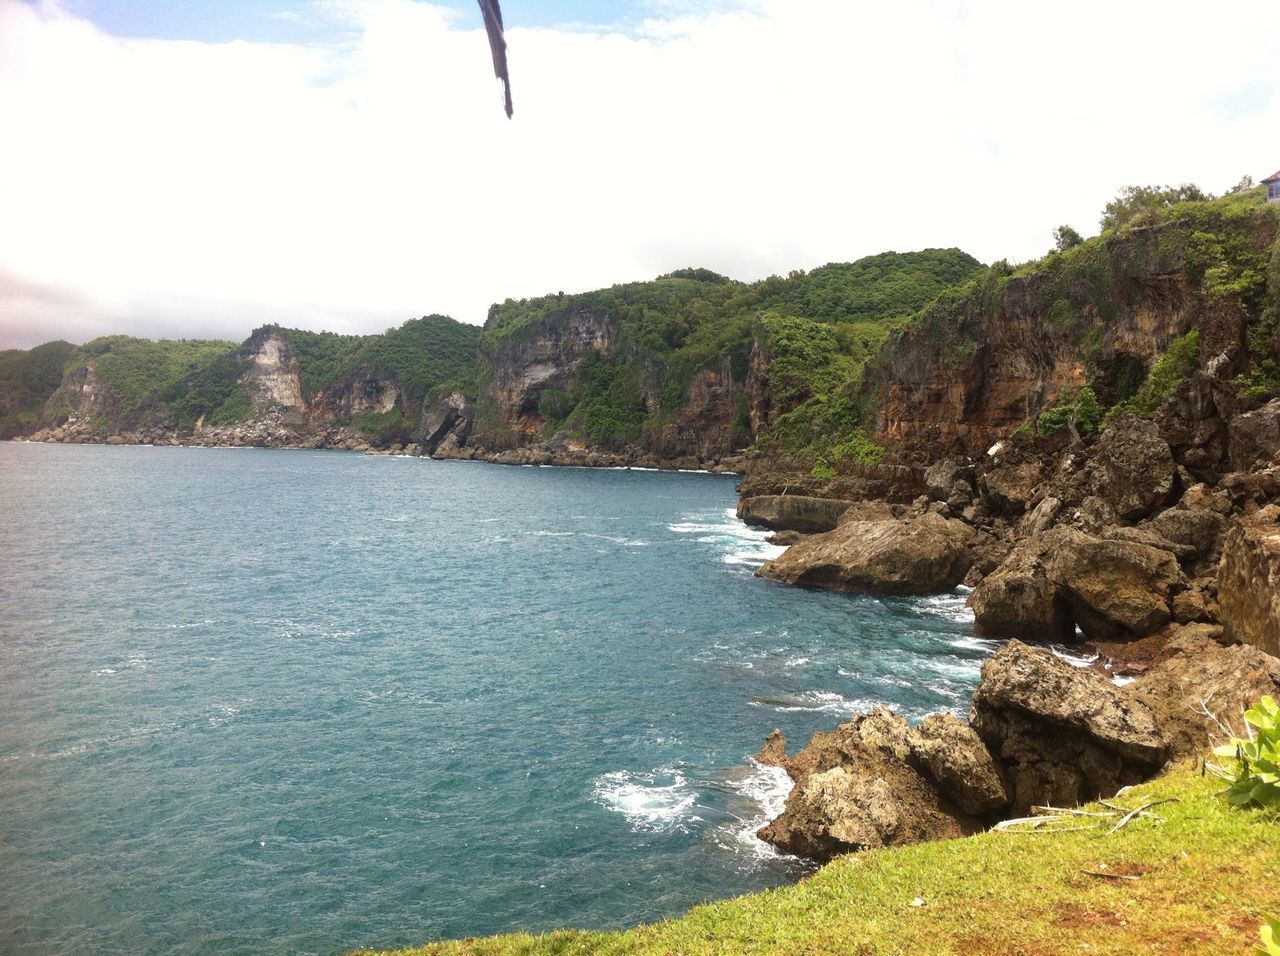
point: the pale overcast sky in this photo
(184, 169)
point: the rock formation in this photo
(1041, 732)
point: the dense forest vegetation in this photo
(27, 379)
(818, 328)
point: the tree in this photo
(1138, 204)
(1064, 238)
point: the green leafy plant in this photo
(1270, 934)
(1252, 762)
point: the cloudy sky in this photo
(199, 169)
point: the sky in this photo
(200, 169)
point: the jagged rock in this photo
(792, 512)
(1035, 682)
(1249, 580)
(1135, 467)
(1040, 518)
(949, 478)
(1254, 437)
(1198, 681)
(1019, 600)
(1008, 489)
(855, 789)
(1062, 735)
(1115, 588)
(1197, 529)
(928, 554)
(785, 538)
(774, 751)
(959, 763)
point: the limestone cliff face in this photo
(82, 397)
(962, 379)
(272, 379)
(707, 428)
(545, 357)
(362, 391)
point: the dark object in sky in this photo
(498, 44)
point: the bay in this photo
(305, 701)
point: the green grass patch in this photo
(1206, 876)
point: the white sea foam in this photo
(767, 788)
(1075, 660)
(658, 801)
(738, 543)
(949, 607)
(796, 661)
(824, 701)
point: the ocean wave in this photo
(739, 544)
(824, 701)
(949, 607)
(659, 801)
(767, 787)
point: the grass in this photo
(1207, 874)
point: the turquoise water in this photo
(303, 701)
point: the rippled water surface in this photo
(282, 701)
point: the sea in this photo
(308, 701)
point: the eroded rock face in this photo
(855, 789)
(272, 379)
(1249, 580)
(1136, 473)
(1254, 437)
(954, 756)
(792, 512)
(927, 554)
(1113, 589)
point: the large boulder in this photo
(1019, 600)
(1249, 580)
(855, 789)
(1254, 437)
(1062, 735)
(792, 512)
(1115, 589)
(1049, 583)
(1008, 488)
(1134, 468)
(924, 554)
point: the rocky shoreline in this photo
(276, 432)
(1154, 546)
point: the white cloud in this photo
(189, 188)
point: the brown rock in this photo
(1196, 677)
(1019, 600)
(959, 763)
(1036, 683)
(791, 512)
(928, 554)
(856, 790)
(1249, 580)
(1115, 588)
(1135, 468)
(1007, 489)
(1254, 437)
